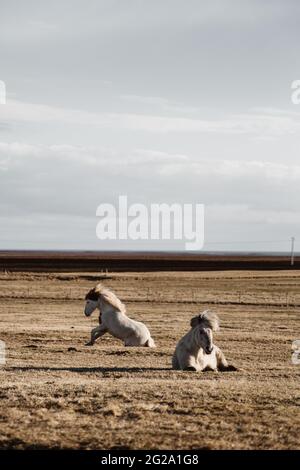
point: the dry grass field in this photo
(57, 393)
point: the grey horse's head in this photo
(204, 325)
(91, 302)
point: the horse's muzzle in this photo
(209, 350)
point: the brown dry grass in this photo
(57, 393)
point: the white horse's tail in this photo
(150, 343)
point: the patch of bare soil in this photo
(57, 393)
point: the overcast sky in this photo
(161, 100)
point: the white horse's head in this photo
(104, 299)
(91, 302)
(204, 325)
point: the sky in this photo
(168, 101)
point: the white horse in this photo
(113, 319)
(196, 351)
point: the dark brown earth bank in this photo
(50, 261)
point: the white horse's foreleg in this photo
(222, 362)
(96, 333)
(190, 363)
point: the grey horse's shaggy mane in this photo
(207, 319)
(107, 295)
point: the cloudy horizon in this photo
(164, 101)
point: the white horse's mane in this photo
(109, 297)
(207, 319)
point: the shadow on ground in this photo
(89, 369)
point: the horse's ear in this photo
(194, 321)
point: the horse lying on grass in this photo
(196, 351)
(113, 319)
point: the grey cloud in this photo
(161, 100)
(74, 180)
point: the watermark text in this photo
(182, 222)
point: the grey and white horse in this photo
(113, 319)
(196, 351)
